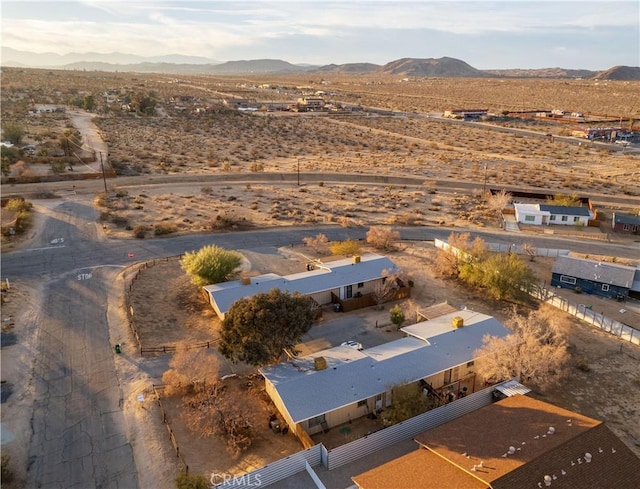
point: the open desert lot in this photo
(161, 156)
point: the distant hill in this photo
(348, 68)
(441, 67)
(626, 73)
(257, 66)
(14, 57)
(542, 73)
(180, 64)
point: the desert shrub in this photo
(140, 231)
(319, 243)
(19, 205)
(7, 473)
(226, 220)
(119, 220)
(121, 193)
(100, 200)
(163, 228)
(189, 480)
(382, 237)
(346, 248)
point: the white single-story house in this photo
(345, 278)
(543, 214)
(331, 387)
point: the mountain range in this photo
(180, 64)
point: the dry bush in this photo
(190, 369)
(318, 243)
(163, 228)
(382, 237)
(536, 352)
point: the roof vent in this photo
(551, 430)
(320, 363)
(547, 480)
(457, 322)
(587, 457)
(512, 450)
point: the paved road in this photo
(79, 438)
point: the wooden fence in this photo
(165, 421)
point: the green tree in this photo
(89, 103)
(502, 276)
(189, 480)
(349, 247)
(407, 401)
(12, 132)
(210, 264)
(12, 154)
(257, 329)
(6, 166)
(565, 200)
(396, 315)
(143, 103)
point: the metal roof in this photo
(443, 324)
(352, 376)
(331, 276)
(595, 271)
(512, 387)
(565, 210)
(626, 219)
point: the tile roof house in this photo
(544, 214)
(333, 386)
(343, 278)
(594, 277)
(518, 442)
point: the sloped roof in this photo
(332, 275)
(620, 218)
(419, 469)
(482, 439)
(352, 376)
(596, 271)
(565, 210)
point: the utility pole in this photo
(104, 178)
(298, 172)
(484, 182)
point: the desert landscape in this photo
(197, 166)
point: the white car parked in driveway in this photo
(352, 344)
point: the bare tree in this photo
(459, 250)
(536, 352)
(530, 250)
(385, 289)
(382, 237)
(190, 369)
(318, 243)
(498, 201)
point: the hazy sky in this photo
(508, 34)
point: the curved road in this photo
(79, 434)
